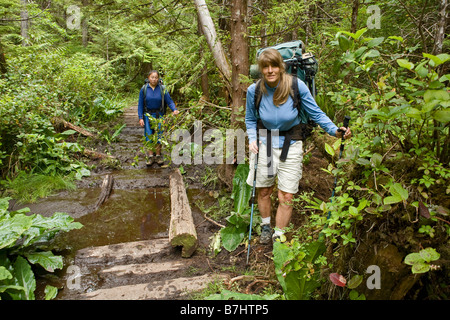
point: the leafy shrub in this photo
(24, 241)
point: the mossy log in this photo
(182, 229)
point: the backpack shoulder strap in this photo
(296, 94)
(144, 87)
(257, 97)
(163, 104)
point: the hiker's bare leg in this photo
(284, 211)
(264, 202)
(158, 149)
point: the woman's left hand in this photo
(346, 132)
(175, 112)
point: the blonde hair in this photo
(271, 57)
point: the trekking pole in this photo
(252, 200)
(346, 121)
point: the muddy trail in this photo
(123, 249)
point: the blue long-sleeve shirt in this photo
(154, 100)
(285, 116)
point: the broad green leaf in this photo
(24, 277)
(375, 42)
(4, 205)
(232, 236)
(396, 38)
(429, 254)
(421, 70)
(398, 189)
(353, 211)
(441, 116)
(46, 259)
(241, 192)
(405, 64)
(439, 59)
(413, 258)
(392, 199)
(420, 267)
(12, 229)
(376, 159)
(329, 149)
(50, 292)
(355, 281)
(344, 42)
(4, 273)
(431, 95)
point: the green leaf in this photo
(441, 115)
(429, 254)
(413, 258)
(50, 292)
(329, 149)
(12, 229)
(344, 42)
(4, 273)
(355, 281)
(441, 95)
(241, 192)
(375, 42)
(46, 259)
(420, 267)
(405, 64)
(4, 205)
(24, 277)
(392, 199)
(232, 236)
(439, 59)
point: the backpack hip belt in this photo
(298, 132)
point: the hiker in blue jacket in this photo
(277, 114)
(154, 105)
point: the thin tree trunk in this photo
(355, 9)
(440, 30)
(24, 23)
(3, 65)
(214, 43)
(240, 60)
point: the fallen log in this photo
(107, 185)
(59, 122)
(182, 229)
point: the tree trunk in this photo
(440, 30)
(240, 61)
(182, 229)
(3, 65)
(355, 8)
(24, 23)
(214, 43)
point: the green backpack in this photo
(301, 65)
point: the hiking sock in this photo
(265, 221)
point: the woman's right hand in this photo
(141, 122)
(253, 146)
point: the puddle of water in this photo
(128, 215)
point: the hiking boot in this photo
(150, 160)
(266, 234)
(159, 159)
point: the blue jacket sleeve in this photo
(169, 101)
(250, 114)
(141, 104)
(315, 113)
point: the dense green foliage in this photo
(24, 241)
(392, 80)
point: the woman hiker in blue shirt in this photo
(153, 103)
(277, 112)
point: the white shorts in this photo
(288, 172)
